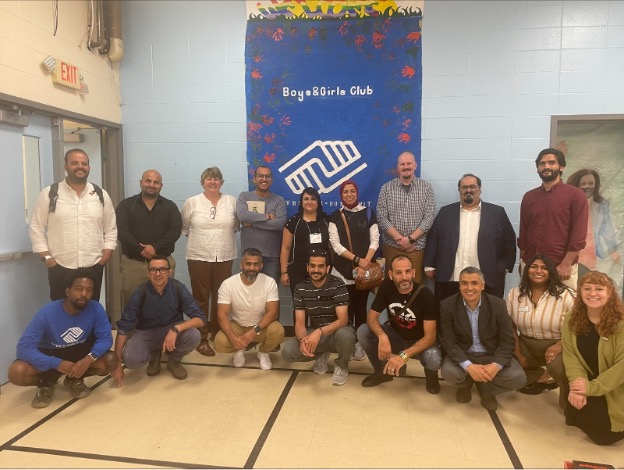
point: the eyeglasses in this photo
(162, 270)
(264, 177)
(472, 187)
(213, 212)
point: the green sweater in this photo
(610, 380)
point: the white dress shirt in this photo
(467, 255)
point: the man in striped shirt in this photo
(323, 300)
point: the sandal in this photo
(205, 349)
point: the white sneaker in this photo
(358, 354)
(265, 361)
(239, 358)
(320, 365)
(340, 376)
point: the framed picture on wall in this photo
(594, 149)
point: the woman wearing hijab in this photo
(354, 255)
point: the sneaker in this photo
(153, 368)
(320, 365)
(340, 376)
(358, 354)
(77, 387)
(239, 358)
(176, 369)
(43, 397)
(265, 361)
(375, 379)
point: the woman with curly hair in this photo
(537, 308)
(593, 355)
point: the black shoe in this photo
(538, 387)
(464, 394)
(176, 369)
(375, 379)
(432, 383)
(489, 402)
(153, 368)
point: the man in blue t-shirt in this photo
(70, 336)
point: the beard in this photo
(250, 275)
(552, 177)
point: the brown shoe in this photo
(176, 369)
(205, 349)
(153, 368)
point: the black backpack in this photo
(53, 194)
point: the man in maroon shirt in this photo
(553, 218)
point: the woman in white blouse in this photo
(210, 222)
(537, 307)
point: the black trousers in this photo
(71, 353)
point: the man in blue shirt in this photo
(153, 322)
(70, 336)
(478, 338)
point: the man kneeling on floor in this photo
(477, 336)
(324, 300)
(71, 336)
(153, 323)
(410, 331)
(252, 300)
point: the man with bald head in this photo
(405, 212)
(148, 224)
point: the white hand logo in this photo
(329, 164)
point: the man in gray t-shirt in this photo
(262, 215)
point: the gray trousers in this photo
(534, 350)
(133, 274)
(341, 342)
(141, 343)
(511, 377)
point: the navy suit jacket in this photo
(496, 244)
(495, 329)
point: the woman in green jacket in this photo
(593, 355)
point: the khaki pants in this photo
(270, 337)
(133, 274)
(416, 257)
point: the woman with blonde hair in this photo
(210, 222)
(593, 355)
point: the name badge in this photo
(523, 309)
(316, 238)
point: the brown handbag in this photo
(375, 272)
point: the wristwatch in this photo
(257, 329)
(410, 239)
(46, 258)
(92, 356)
(174, 328)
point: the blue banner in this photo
(333, 99)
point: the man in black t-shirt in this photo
(410, 331)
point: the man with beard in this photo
(477, 336)
(470, 233)
(323, 300)
(247, 310)
(153, 322)
(148, 224)
(405, 212)
(553, 218)
(262, 215)
(409, 332)
(70, 336)
(73, 226)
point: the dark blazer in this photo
(495, 329)
(496, 244)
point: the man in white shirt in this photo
(73, 226)
(247, 310)
(470, 233)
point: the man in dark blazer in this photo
(477, 335)
(470, 233)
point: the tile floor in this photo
(285, 418)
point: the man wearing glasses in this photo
(263, 215)
(153, 322)
(470, 233)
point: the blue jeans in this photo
(141, 343)
(271, 267)
(430, 358)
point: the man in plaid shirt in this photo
(405, 212)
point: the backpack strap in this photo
(53, 195)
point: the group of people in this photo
(542, 337)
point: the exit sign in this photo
(66, 74)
